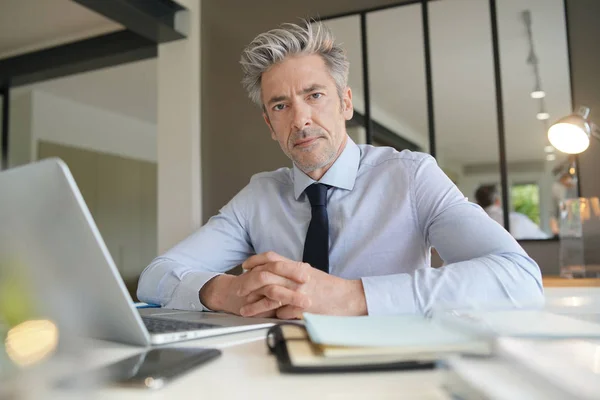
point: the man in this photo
(521, 227)
(348, 229)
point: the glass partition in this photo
(536, 86)
(397, 78)
(533, 64)
(347, 32)
(465, 100)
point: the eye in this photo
(278, 107)
(316, 95)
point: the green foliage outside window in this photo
(526, 200)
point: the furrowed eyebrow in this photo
(311, 88)
(277, 99)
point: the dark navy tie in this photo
(316, 246)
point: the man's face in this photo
(304, 112)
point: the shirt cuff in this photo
(389, 294)
(187, 294)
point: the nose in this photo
(302, 116)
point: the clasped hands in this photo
(274, 286)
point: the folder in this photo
(355, 344)
(295, 353)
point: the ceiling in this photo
(28, 25)
(127, 89)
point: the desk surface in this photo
(247, 371)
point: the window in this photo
(525, 199)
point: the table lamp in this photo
(572, 134)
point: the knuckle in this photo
(252, 298)
(263, 276)
(258, 269)
(270, 255)
(279, 266)
(301, 271)
(271, 291)
(298, 299)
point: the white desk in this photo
(246, 370)
(580, 302)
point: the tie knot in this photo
(317, 194)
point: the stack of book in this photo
(326, 343)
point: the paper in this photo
(406, 331)
(523, 323)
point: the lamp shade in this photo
(571, 134)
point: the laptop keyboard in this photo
(157, 325)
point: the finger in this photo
(268, 314)
(294, 270)
(296, 273)
(261, 259)
(252, 298)
(261, 306)
(286, 296)
(261, 278)
(289, 312)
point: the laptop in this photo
(49, 238)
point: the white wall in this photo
(62, 121)
(179, 179)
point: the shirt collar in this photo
(493, 208)
(342, 174)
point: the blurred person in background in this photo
(521, 227)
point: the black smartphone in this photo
(151, 369)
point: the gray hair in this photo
(272, 47)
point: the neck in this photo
(317, 174)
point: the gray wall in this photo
(584, 43)
(237, 144)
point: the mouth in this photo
(305, 142)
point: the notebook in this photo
(409, 335)
(352, 344)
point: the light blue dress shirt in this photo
(386, 210)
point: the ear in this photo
(347, 107)
(268, 122)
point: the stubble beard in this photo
(317, 161)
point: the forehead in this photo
(294, 73)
